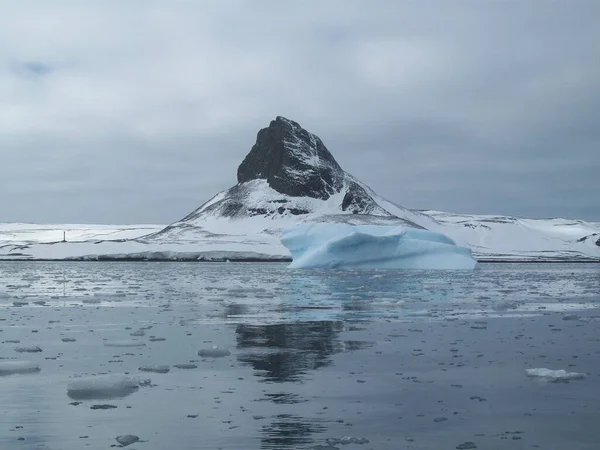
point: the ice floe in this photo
(104, 387)
(554, 375)
(18, 367)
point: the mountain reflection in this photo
(289, 431)
(284, 352)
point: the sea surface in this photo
(353, 359)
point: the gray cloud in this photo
(140, 111)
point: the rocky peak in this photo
(293, 161)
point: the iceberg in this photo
(340, 245)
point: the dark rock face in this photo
(598, 242)
(298, 166)
(293, 161)
(357, 200)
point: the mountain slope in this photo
(289, 176)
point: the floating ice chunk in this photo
(30, 349)
(104, 387)
(554, 375)
(155, 369)
(338, 245)
(128, 439)
(185, 366)
(215, 352)
(132, 343)
(18, 367)
(391, 303)
(347, 440)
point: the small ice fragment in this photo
(18, 367)
(155, 369)
(185, 366)
(128, 439)
(104, 387)
(30, 349)
(571, 317)
(466, 446)
(138, 333)
(68, 339)
(347, 440)
(124, 344)
(215, 352)
(554, 375)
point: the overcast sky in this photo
(139, 111)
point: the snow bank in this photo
(337, 245)
(104, 387)
(554, 375)
(18, 367)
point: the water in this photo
(340, 359)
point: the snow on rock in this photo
(18, 367)
(104, 387)
(554, 375)
(371, 246)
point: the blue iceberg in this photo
(340, 246)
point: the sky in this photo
(139, 111)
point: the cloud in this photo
(140, 111)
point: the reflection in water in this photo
(289, 431)
(284, 352)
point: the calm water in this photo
(324, 360)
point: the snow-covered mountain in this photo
(288, 177)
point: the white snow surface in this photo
(339, 246)
(506, 238)
(24, 233)
(206, 234)
(554, 375)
